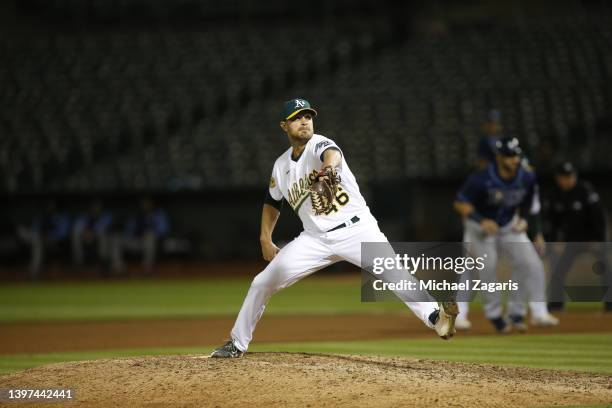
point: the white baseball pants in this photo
(528, 270)
(305, 255)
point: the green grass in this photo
(157, 299)
(173, 299)
(583, 352)
(590, 352)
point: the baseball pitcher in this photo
(314, 179)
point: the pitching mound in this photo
(307, 380)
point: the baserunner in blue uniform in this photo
(494, 203)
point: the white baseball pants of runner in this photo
(303, 256)
(528, 270)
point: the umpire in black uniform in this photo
(574, 214)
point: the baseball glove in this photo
(323, 190)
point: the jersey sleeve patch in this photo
(323, 145)
(273, 187)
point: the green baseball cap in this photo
(294, 106)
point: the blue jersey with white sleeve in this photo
(499, 199)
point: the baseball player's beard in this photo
(300, 138)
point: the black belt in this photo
(353, 220)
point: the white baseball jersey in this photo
(291, 179)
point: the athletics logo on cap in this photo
(295, 106)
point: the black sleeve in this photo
(554, 219)
(271, 201)
(534, 225)
(329, 148)
(596, 214)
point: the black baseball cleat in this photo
(518, 323)
(228, 350)
(501, 326)
(443, 319)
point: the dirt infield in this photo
(304, 380)
(78, 336)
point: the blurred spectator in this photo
(48, 233)
(143, 233)
(574, 214)
(91, 233)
